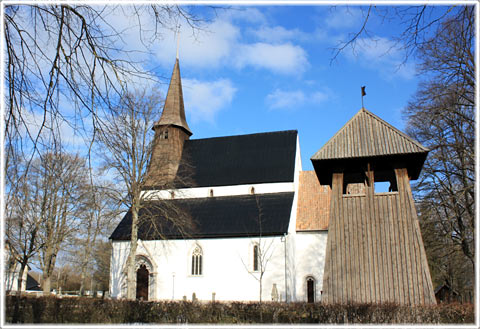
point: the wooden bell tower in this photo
(375, 252)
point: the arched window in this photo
(197, 261)
(310, 289)
(165, 135)
(256, 256)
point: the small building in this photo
(446, 294)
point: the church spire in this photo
(173, 111)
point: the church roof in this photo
(215, 217)
(313, 208)
(174, 110)
(366, 135)
(242, 159)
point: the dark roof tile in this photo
(216, 217)
(243, 159)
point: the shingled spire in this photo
(174, 111)
(171, 131)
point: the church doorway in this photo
(310, 290)
(142, 283)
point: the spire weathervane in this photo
(363, 94)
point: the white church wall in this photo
(227, 268)
(11, 278)
(310, 261)
(118, 259)
(291, 237)
(217, 191)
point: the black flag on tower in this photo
(363, 94)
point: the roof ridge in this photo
(250, 134)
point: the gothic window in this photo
(165, 135)
(256, 258)
(197, 256)
(310, 289)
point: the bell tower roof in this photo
(174, 111)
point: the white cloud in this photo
(220, 43)
(277, 34)
(382, 54)
(281, 99)
(292, 99)
(284, 58)
(245, 14)
(204, 99)
(34, 121)
(344, 17)
(319, 96)
(209, 48)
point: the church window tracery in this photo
(197, 260)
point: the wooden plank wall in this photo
(375, 252)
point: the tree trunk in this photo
(260, 281)
(82, 281)
(20, 276)
(46, 284)
(131, 277)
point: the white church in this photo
(253, 215)
(260, 222)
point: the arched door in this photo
(310, 290)
(142, 283)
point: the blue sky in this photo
(269, 68)
(265, 68)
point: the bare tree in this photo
(126, 141)
(63, 178)
(442, 117)
(68, 60)
(262, 252)
(417, 23)
(22, 217)
(101, 266)
(95, 221)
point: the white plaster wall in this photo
(291, 237)
(11, 278)
(230, 190)
(227, 268)
(310, 261)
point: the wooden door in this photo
(142, 283)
